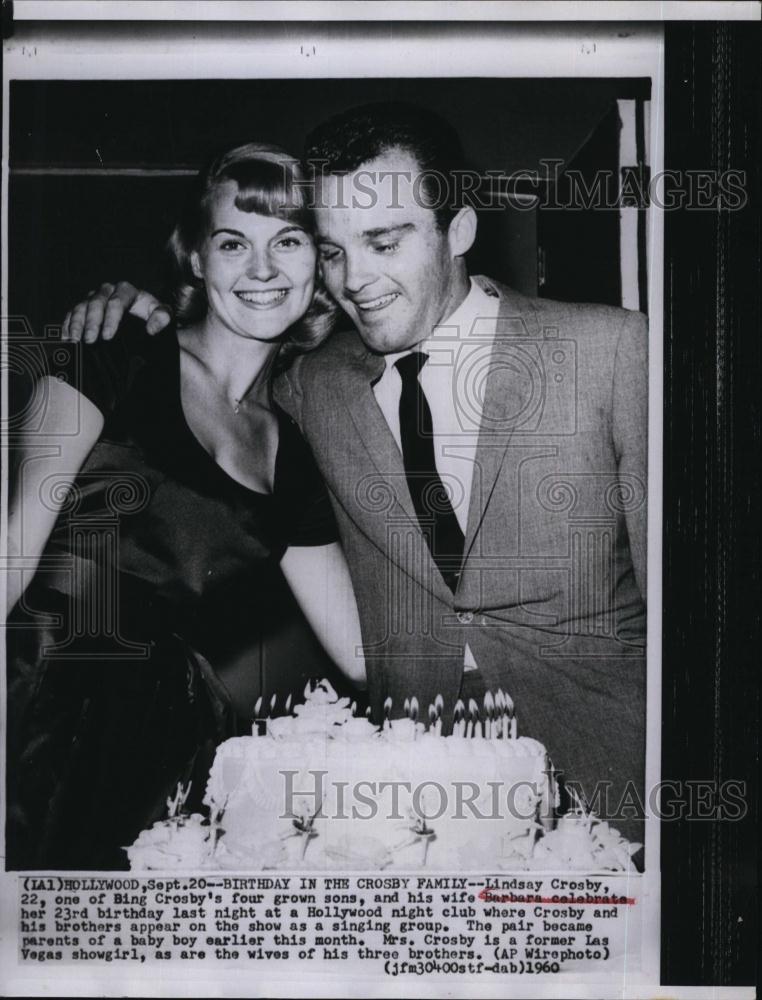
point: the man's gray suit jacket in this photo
(551, 593)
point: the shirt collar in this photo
(477, 305)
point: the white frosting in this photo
(178, 843)
(584, 842)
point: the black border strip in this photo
(711, 641)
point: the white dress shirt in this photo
(452, 379)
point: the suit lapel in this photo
(383, 479)
(355, 388)
(508, 392)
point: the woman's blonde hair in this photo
(270, 182)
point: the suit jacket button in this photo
(465, 617)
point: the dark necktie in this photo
(430, 497)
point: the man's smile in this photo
(374, 305)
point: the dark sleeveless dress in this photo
(160, 569)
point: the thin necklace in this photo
(241, 402)
(238, 403)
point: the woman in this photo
(161, 528)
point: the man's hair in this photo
(353, 138)
(270, 182)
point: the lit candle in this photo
(489, 708)
(509, 716)
(439, 706)
(288, 705)
(414, 709)
(500, 713)
(459, 722)
(387, 713)
(257, 707)
(273, 700)
(473, 712)
(479, 725)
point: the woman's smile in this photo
(268, 299)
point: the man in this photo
(486, 456)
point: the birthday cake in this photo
(321, 789)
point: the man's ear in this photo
(195, 263)
(462, 231)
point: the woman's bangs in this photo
(269, 188)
